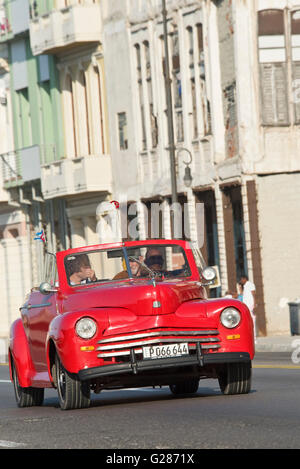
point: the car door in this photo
(37, 313)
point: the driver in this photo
(154, 259)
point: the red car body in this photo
(128, 314)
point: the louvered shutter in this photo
(296, 91)
(274, 98)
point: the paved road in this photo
(135, 419)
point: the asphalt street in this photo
(149, 418)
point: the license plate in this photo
(166, 351)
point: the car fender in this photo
(244, 331)
(66, 342)
(20, 354)
(239, 339)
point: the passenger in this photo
(134, 267)
(79, 270)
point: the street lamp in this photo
(187, 178)
(169, 107)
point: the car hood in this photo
(141, 297)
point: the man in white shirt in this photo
(249, 297)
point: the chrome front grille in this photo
(122, 345)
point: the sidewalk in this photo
(278, 343)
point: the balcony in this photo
(14, 19)
(76, 176)
(72, 26)
(20, 166)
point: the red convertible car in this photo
(128, 314)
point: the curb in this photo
(3, 350)
(277, 344)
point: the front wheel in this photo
(72, 393)
(235, 378)
(190, 386)
(26, 397)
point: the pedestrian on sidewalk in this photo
(249, 298)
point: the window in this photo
(24, 118)
(50, 269)
(200, 108)
(192, 80)
(151, 260)
(71, 133)
(100, 110)
(177, 89)
(141, 95)
(205, 106)
(122, 126)
(295, 43)
(153, 119)
(273, 67)
(85, 137)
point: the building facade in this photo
(84, 120)
(55, 161)
(233, 73)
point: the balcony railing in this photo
(24, 165)
(11, 169)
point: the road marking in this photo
(5, 381)
(10, 444)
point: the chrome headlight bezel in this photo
(230, 317)
(86, 328)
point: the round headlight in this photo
(86, 328)
(230, 318)
(209, 274)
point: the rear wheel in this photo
(72, 393)
(26, 397)
(235, 378)
(189, 386)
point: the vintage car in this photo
(127, 314)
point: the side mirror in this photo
(45, 288)
(209, 275)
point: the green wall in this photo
(37, 116)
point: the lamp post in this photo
(169, 107)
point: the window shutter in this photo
(274, 99)
(296, 91)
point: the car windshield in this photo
(152, 260)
